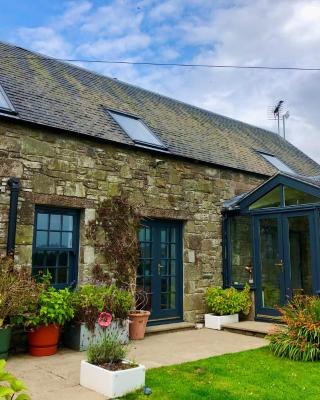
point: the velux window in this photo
(55, 245)
(137, 130)
(280, 165)
(5, 104)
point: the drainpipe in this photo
(14, 186)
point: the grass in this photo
(253, 374)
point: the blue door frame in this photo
(164, 239)
(283, 251)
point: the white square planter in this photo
(111, 383)
(217, 321)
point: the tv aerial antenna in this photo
(277, 113)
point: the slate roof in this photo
(60, 95)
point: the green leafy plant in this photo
(299, 338)
(108, 351)
(54, 307)
(19, 292)
(10, 387)
(228, 301)
(90, 300)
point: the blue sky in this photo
(246, 32)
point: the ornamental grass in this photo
(299, 337)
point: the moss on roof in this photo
(60, 95)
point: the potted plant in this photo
(44, 321)
(18, 292)
(139, 317)
(225, 304)
(89, 302)
(107, 371)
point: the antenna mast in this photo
(276, 113)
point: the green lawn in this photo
(254, 374)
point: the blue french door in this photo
(285, 257)
(160, 269)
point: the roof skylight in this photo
(281, 166)
(137, 130)
(5, 104)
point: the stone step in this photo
(165, 328)
(250, 328)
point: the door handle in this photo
(159, 269)
(279, 264)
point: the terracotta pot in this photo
(43, 341)
(5, 338)
(138, 323)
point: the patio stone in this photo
(57, 377)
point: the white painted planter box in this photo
(217, 321)
(78, 337)
(111, 383)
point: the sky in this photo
(241, 32)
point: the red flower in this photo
(104, 319)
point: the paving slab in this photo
(57, 377)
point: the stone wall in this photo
(68, 171)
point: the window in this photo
(5, 104)
(271, 199)
(137, 130)
(294, 197)
(240, 246)
(55, 248)
(281, 166)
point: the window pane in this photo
(55, 222)
(42, 221)
(280, 165)
(54, 239)
(41, 239)
(136, 129)
(38, 258)
(271, 274)
(51, 259)
(3, 101)
(62, 275)
(294, 197)
(240, 241)
(63, 259)
(300, 255)
(66, 240)
(271, 199)
(67, 222)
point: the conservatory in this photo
(272, 240)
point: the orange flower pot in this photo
(138, 323)
(43, 341)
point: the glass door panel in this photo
(300, 259)
(160, 269)
(270, 282)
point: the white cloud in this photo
(45, 40)
(243, 32)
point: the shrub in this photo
(108, 351)
(90, 300)
(55, 307)
(10, 387)
(299, 339)
(228, 301)
(19, 292)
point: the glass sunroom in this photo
(272, 241)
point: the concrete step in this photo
(165, 328)
(250, 328)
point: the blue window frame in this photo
(55, 245)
